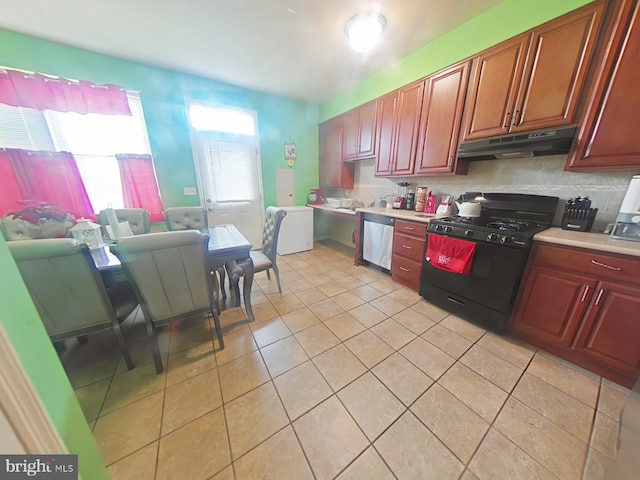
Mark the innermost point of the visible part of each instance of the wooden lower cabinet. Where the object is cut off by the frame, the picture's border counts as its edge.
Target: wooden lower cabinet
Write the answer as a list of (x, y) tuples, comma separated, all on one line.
[(409, 243), (583, 306)]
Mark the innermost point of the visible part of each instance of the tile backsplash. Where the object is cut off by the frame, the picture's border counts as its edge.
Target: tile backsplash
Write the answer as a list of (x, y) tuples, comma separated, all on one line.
[(535, 175)]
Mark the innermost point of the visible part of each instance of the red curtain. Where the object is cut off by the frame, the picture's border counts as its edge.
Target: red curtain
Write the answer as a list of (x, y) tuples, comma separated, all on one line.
[(10, 192), (40, 92), (139, 184), (53, 177)]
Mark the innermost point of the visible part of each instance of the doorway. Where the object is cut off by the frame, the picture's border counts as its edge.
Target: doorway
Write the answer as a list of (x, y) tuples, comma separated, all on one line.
[(227, 160)]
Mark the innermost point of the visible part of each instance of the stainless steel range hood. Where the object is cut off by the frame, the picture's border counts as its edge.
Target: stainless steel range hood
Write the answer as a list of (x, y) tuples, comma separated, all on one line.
[(550, 142)]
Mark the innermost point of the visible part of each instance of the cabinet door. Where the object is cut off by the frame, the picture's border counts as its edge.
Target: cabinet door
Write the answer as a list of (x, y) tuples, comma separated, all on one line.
[(556, 69), (407, 125), (333, 171), (552, 304), (386, 107), (351, 133), (609, 136), (440, 120), (367, 130), (611, 331), (495, 79)]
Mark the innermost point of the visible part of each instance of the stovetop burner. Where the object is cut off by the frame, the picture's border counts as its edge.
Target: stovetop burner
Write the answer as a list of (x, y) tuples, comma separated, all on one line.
[(495, 224), (510, 225)]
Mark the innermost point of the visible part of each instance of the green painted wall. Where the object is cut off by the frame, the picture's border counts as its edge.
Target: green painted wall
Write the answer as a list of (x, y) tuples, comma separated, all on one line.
[(162, 92), (22, 324), (507, 19)]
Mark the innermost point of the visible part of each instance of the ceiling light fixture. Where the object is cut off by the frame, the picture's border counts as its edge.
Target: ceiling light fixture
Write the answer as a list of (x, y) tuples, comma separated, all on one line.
[(364, 30)]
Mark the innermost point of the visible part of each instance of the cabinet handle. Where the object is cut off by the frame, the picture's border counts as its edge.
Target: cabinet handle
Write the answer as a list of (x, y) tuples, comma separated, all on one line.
[(584, 294), (404, 269), (599, 297), (409, 228), (517, 117), (506, 120), (617, 269), (407, 247)]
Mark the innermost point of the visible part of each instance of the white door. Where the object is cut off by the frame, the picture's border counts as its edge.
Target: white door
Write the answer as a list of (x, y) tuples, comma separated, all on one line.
[(230, 181), (285, 186)]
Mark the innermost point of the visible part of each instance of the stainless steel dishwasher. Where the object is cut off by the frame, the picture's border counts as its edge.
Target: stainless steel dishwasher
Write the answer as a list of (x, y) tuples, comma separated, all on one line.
[(377, 240)]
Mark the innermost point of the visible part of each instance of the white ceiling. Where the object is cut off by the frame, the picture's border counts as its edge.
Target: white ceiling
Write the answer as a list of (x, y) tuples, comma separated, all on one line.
[(292, 48)]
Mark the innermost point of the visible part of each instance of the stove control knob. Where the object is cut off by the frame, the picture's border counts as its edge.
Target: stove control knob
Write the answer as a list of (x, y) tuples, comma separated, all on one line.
[(492, 236), (505, 239), (438, 228), (448, 229), (468, 233)]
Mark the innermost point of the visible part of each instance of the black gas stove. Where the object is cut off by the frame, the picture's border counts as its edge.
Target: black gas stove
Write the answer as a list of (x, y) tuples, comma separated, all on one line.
[(503, 234), (506, 219)]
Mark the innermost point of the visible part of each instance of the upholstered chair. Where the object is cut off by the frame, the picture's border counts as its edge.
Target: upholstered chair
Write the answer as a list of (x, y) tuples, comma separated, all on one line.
[(191, 218), (265, 259), (171, 278), (186, 218), (139, 219), (68, 292)]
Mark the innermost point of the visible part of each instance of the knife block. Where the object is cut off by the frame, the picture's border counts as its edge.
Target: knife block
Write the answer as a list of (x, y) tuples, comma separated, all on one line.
[(578, 220)]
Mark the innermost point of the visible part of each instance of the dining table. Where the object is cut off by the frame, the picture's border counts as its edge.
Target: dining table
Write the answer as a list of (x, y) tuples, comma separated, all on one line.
[(226, 244)]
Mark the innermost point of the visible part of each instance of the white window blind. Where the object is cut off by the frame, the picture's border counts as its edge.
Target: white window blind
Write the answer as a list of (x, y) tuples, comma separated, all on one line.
[(24, 128), (230, 165), (101, 135), (101, 178)]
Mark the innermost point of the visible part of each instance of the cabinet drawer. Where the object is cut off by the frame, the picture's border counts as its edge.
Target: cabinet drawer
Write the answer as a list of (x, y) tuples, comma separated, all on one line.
[(593, 263), (406, 269), (411, 228), (408, 247)]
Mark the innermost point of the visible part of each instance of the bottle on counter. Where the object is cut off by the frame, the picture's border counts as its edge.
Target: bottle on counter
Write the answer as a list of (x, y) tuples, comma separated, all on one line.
[(421, 199)]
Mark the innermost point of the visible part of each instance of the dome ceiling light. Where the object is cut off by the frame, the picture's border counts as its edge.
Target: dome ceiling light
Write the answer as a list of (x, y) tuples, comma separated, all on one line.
[(364, 30)]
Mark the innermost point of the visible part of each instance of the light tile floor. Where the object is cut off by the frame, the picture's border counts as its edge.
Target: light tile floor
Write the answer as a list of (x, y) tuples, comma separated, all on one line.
[(346, 375)]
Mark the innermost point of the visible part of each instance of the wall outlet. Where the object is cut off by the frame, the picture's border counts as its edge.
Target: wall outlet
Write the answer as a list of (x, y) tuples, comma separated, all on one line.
[(190, 191)]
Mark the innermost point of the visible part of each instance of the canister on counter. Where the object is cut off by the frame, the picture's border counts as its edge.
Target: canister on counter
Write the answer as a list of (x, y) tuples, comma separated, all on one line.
[(421, 199)]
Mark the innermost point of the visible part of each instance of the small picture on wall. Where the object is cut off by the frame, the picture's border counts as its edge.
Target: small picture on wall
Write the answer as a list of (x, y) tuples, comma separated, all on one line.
[(290, 152)]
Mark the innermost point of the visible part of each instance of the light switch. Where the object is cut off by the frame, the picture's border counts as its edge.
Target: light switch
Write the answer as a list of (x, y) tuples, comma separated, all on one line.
[(190, 191)]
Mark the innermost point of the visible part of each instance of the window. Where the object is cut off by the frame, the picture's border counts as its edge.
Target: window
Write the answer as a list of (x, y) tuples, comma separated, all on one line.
[(230, 165), (227, 120), (93, 139)]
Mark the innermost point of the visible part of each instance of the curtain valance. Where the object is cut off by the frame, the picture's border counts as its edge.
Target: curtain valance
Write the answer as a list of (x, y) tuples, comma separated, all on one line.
[(41, 92)]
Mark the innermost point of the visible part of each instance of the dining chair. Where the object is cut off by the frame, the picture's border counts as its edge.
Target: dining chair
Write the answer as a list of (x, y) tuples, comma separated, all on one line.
[(186, 218), (265, 259), (139, 219), (68, 292), (192, 218), (171, 278)]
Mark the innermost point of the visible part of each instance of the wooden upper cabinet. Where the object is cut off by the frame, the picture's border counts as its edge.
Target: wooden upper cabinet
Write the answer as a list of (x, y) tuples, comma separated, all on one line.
[(386, 108), (442, 105), (608, 137), (535, 80), (494, 80), (406, 127), (359, 132), (334, 173), (556, 69)]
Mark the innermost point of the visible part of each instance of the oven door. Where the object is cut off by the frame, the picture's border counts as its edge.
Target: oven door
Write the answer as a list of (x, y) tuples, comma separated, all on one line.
[(494, 279)]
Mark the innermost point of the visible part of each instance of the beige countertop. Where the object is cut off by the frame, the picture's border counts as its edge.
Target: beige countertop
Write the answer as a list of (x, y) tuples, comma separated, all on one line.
[(594, 241), (334, 211), (402, 214)]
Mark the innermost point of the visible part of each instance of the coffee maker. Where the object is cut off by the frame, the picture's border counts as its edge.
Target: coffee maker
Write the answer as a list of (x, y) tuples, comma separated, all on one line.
[(627, 226)]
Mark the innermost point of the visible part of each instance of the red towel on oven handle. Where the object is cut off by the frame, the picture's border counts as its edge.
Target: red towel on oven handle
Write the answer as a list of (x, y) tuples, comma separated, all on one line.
[(450, 254)]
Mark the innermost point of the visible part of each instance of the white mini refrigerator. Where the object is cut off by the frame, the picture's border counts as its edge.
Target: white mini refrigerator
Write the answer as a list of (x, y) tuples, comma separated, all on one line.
[(296, 231)]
